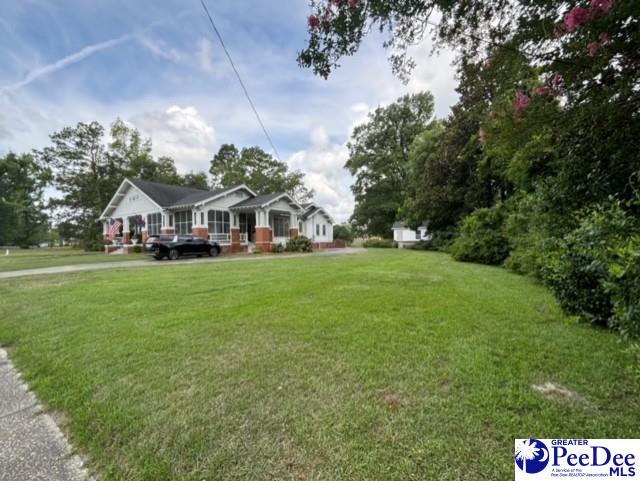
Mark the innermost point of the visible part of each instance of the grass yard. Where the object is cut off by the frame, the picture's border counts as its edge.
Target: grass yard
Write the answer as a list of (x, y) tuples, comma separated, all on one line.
[(387, 365), (19, 259)]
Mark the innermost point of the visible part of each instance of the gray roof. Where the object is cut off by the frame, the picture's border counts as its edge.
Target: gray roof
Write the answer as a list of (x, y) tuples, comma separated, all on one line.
[(398, 225), (257, 201), (166, 195)]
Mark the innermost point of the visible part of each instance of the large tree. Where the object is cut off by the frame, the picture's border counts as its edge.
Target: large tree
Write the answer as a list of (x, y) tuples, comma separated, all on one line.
[(258, 170), (379, 160), (23, 218), (85, 175)]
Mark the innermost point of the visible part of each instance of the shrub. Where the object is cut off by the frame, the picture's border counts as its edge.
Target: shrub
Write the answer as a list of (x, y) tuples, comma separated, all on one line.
[(343, 232), (257, 250), (378, 243), (595, 269), (277, 248), (95, 245), (481, 237), (299, 243), (440, 240), (138, 248)]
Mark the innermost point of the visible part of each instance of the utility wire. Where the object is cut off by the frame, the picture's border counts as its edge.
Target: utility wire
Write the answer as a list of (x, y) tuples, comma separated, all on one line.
[(244, 88)]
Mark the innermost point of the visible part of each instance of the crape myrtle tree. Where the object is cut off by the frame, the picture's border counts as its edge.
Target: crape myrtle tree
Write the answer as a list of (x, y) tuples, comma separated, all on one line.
[(258, 170), (379, 152), (547, 123)]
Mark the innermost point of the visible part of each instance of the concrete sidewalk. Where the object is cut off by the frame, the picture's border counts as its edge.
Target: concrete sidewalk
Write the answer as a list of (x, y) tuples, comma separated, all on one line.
[(153, 263), (31, 445)]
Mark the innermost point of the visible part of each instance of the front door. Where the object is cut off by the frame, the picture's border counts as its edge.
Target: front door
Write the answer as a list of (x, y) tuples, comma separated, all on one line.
[(248, 225)]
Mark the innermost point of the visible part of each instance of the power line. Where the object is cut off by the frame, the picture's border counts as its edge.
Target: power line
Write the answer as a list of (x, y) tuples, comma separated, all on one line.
[(244, 88)]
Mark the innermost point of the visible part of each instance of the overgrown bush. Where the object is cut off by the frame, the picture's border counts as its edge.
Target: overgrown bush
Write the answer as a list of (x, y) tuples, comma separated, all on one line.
[(595, 270), (378, 243), (138, 248), (277, 248), (481, 237), (343, 232), (440, 240), (257, 250), (299, 243), (95, 245)]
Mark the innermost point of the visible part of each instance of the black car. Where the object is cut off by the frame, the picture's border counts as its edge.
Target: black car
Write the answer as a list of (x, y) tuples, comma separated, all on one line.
[(173, 246)]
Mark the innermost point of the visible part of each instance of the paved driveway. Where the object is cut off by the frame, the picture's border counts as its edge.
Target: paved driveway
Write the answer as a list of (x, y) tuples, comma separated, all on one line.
[(153, 263)]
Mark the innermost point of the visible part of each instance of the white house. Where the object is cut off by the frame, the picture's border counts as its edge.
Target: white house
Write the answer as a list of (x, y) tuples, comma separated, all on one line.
[(406, 237), (234, 217)]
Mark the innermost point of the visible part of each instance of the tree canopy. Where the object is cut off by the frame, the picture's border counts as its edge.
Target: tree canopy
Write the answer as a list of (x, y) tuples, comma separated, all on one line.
[(258, 170), (379, 160)]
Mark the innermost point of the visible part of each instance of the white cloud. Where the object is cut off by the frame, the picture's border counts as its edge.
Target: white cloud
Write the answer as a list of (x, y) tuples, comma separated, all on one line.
[(323, 164), (64, 62), (180, 133), (159, 49)]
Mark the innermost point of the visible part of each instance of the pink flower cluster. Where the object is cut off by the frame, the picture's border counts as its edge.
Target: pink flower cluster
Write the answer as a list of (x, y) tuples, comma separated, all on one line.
[(553, 88), (521, 101), (578, 16), (314, 22), (594, 46), (482, 135)]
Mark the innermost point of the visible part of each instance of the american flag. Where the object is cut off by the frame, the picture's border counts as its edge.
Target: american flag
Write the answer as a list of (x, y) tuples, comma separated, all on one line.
[(114, 227)]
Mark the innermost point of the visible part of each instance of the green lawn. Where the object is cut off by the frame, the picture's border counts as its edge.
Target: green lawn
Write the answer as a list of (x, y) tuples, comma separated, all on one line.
[(34, 258), (387, 365)]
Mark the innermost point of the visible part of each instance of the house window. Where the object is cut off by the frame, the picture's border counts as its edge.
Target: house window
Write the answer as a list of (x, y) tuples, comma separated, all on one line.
[(154, 222), (201, 218), (183, 222), (218, 222), (317, 229), (324, 229), (281, 226)]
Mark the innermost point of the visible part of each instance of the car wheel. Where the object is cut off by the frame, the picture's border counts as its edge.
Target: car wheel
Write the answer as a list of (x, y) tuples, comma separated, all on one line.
[(157, 257), (173, 254), (213, 252)]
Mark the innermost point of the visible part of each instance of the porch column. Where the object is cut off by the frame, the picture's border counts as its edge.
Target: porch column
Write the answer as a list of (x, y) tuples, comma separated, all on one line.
[(165, 228), (198, 227), (105, 228), (126, 236), (263, 230), (293, 225)]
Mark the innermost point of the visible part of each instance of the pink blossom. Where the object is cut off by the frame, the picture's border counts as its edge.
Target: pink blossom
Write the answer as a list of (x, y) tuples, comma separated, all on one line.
[(593, 48), (482, 135), (544, 90), (313, 21), (556, 81), (492, 115), (602, 5), (354, 3), (576, 17), (605, 38), (521, 102)]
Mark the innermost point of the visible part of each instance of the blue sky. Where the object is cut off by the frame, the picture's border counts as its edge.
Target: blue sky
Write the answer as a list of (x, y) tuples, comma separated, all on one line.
[(156, 65)]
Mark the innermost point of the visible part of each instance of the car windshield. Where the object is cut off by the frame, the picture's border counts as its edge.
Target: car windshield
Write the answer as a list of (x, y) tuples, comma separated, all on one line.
[(167, 238)]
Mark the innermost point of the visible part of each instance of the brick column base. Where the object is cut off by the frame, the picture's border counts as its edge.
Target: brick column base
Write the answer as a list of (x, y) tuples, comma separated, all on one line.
[(293, 232), (126, 238), (145, 236), (235, 240), (200, 232), (167, 230), (264, 238)]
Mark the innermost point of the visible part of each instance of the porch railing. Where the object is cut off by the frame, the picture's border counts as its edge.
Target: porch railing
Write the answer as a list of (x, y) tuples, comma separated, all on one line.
[(220, 238), (226, 238)]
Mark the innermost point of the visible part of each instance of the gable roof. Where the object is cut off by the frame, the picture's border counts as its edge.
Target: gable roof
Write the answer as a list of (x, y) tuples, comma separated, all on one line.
[(313, 210), (166, 195), (263, 201)]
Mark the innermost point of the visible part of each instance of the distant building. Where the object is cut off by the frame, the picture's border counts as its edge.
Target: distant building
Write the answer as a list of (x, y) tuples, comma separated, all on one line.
[(406, 237)]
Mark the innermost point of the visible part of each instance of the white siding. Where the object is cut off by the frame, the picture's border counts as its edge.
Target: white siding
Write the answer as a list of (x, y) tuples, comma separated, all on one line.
[(134, 202)]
